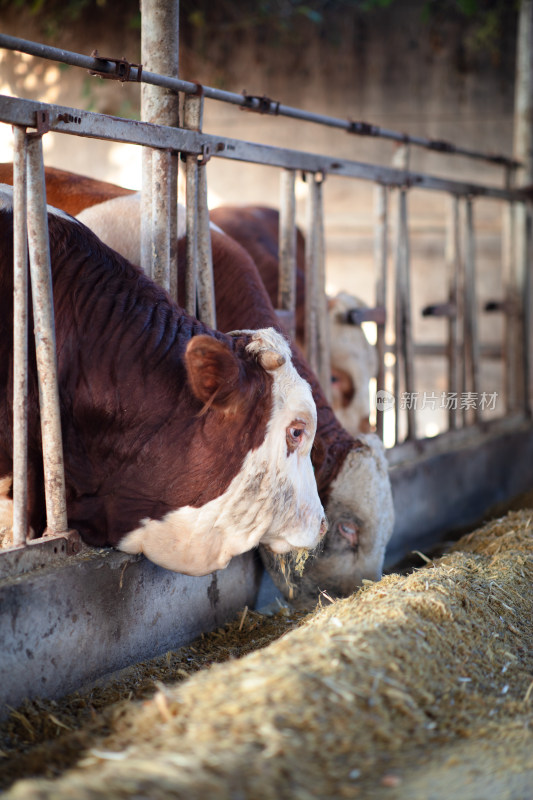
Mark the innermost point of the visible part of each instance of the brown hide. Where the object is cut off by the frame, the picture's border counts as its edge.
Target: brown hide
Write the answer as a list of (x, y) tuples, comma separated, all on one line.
[(256, 228), (138, 440)]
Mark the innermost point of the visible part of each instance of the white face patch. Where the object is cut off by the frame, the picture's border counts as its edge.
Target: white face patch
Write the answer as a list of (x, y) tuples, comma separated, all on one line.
[(273, 500)]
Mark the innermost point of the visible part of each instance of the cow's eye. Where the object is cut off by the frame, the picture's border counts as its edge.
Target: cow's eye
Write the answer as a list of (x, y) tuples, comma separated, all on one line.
[(295, 435)]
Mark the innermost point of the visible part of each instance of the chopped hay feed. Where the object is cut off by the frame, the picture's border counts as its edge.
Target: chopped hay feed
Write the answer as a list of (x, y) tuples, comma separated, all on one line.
[(346, 701)]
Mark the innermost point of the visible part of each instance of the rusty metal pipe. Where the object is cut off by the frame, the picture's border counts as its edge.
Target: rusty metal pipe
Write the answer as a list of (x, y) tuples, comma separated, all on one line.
[(287, 252), (160, 231), (199, 280), (323, 346), (192, 119), (159, 105), (510, 322), (381, 233), (527, 305), (45, 342), (454, 269), (311, 277), (404, 343), (146, 211), (191, 268), (20, 343), (206, 282), (470, 312)]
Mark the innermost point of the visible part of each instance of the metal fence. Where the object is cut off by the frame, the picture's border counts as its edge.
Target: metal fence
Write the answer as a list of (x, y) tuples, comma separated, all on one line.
[(32, 120)]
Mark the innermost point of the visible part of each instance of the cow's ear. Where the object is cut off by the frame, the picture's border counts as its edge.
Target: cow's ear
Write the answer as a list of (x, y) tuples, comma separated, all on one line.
[(212, 369)]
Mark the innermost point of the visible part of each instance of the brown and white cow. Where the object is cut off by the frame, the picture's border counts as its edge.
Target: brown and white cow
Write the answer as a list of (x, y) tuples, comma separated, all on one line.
[(351, 473), (180, 442), (256, 228), (353, 358)]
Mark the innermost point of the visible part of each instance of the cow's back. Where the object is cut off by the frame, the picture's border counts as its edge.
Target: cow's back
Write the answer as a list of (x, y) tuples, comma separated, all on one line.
[(69, 191), (256, 229)]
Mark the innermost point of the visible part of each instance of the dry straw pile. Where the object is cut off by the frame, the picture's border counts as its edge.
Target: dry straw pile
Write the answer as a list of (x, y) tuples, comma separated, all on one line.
[(410, 663)]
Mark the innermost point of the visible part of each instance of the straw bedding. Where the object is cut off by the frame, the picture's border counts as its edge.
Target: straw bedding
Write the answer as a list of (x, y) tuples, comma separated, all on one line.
[(389, 691)]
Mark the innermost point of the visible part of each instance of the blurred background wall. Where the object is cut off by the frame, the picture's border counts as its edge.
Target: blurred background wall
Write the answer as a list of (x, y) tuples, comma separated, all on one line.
[(441, 68)]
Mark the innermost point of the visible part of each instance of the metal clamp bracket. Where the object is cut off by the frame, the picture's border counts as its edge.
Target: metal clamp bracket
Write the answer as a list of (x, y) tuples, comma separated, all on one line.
[(508, 307), (42, 124), (355, 316), (439, 310), (264, 104), (37, 553), (362, 128), (205, 155), (122, 71)]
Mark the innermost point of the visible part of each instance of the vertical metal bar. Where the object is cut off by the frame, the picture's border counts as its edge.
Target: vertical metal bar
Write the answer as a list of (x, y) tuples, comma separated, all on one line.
[(470, 315), (191, 268), (380, 263), (173, 171), (453, 266), (147, 115), (523, 110), (527, 304), (511, 308), (404, 350), (464, 362), (519, 301), (146, 210), (199, 280), (407, 344), (159, 53), (287, 250), (523, 151), (161, 218), (20, 343), (311, 276), (323, 344), (192, 119), (45, 342), (398, 329), (206, 283)]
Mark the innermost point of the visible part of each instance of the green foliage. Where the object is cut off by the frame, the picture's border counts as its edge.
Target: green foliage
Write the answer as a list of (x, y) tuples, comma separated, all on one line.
[(485, 22), (53, 13), (277, 22)]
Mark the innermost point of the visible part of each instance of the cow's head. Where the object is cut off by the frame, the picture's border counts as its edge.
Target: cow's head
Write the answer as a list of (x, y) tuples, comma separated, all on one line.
[(353, 364), (361, 516), (272, 499)]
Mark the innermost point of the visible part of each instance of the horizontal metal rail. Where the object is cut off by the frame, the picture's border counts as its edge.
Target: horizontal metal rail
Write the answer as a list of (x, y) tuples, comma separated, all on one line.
[(63, 119), (122, 70)]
